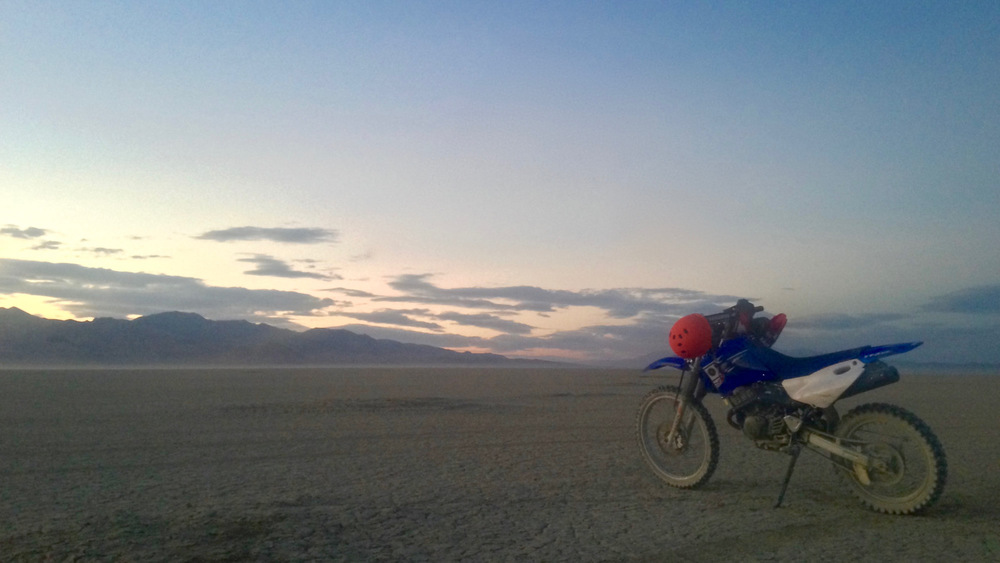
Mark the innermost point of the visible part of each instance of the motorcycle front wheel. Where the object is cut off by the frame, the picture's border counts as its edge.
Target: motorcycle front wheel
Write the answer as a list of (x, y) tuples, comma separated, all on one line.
[(688, 459), (908, 465)]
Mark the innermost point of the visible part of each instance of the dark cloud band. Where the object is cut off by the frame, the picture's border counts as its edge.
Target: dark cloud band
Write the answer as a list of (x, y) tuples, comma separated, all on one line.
[(284, 235), (975, 300)]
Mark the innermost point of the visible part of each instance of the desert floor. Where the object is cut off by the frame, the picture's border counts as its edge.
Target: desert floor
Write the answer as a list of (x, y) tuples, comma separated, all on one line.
[(436, 465)]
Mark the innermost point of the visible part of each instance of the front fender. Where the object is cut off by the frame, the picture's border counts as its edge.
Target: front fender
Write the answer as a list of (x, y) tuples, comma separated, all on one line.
[(669, 361)]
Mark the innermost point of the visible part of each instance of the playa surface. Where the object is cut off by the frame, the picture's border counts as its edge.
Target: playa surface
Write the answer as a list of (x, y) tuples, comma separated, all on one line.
[(437, 465)]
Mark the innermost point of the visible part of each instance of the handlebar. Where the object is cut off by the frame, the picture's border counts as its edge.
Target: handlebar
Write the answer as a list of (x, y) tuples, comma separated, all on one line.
[(741, 306), (725, 322)]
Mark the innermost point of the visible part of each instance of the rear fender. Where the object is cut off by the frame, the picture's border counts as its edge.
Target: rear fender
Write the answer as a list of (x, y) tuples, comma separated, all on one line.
[(873, 353)]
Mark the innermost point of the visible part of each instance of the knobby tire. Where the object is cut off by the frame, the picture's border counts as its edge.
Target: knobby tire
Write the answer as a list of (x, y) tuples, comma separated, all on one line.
[(916, 467), (700, 441)]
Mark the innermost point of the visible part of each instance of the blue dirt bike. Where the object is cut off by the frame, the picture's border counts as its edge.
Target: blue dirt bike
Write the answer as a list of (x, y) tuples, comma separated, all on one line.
[(888, 457)]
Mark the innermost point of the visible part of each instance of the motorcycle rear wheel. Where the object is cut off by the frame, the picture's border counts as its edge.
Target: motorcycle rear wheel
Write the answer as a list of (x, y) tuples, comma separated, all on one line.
[(911, 465), (687, 461)]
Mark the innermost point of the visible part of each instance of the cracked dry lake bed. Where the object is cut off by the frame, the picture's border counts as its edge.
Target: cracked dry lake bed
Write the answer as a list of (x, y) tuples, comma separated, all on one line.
[(446, 464)]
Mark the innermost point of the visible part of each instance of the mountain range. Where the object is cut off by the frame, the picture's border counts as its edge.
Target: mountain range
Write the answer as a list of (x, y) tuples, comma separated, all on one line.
[(188, 339)]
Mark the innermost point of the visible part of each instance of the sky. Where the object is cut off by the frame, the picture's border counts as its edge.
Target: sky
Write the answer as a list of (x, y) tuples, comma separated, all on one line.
[(535, 179)]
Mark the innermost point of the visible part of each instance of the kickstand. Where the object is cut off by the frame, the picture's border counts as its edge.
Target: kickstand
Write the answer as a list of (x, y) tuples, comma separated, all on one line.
[(795, 450)]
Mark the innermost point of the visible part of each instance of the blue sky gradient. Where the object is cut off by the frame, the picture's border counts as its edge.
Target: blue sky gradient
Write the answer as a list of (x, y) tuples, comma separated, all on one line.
[(558, 179)]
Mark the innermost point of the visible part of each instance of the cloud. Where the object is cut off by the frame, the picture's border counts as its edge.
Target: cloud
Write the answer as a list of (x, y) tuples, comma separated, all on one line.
[(350, 292), (483, 320), (270, 266), (100, 250), (29, 233), (840, 321), (618, 303), (393, 317), (47, 245), (285, 235), (100, 292), (974, 300), (439, 339)]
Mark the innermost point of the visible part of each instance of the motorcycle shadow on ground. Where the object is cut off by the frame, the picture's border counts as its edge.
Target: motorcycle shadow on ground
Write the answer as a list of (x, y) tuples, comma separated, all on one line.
[(819, 519)]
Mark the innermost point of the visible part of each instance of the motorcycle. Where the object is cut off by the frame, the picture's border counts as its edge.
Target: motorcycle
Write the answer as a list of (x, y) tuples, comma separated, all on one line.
[(887, 456)]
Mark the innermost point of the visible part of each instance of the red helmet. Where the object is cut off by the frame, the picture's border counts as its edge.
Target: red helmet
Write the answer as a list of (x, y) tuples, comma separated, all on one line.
[(691, 336)]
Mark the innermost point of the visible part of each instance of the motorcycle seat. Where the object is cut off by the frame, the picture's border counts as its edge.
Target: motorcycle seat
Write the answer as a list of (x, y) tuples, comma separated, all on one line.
[(788, 367)]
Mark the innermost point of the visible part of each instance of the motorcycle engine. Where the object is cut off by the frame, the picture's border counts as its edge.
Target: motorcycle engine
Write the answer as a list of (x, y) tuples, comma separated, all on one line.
[(764, 422), (758, 410)]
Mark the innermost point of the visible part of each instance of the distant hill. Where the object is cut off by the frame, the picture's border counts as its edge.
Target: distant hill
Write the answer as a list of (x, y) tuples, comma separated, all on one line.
[(188, 339)]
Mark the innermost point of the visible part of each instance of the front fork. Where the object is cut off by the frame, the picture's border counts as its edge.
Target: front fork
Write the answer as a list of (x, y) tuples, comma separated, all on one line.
[(692, 388)]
